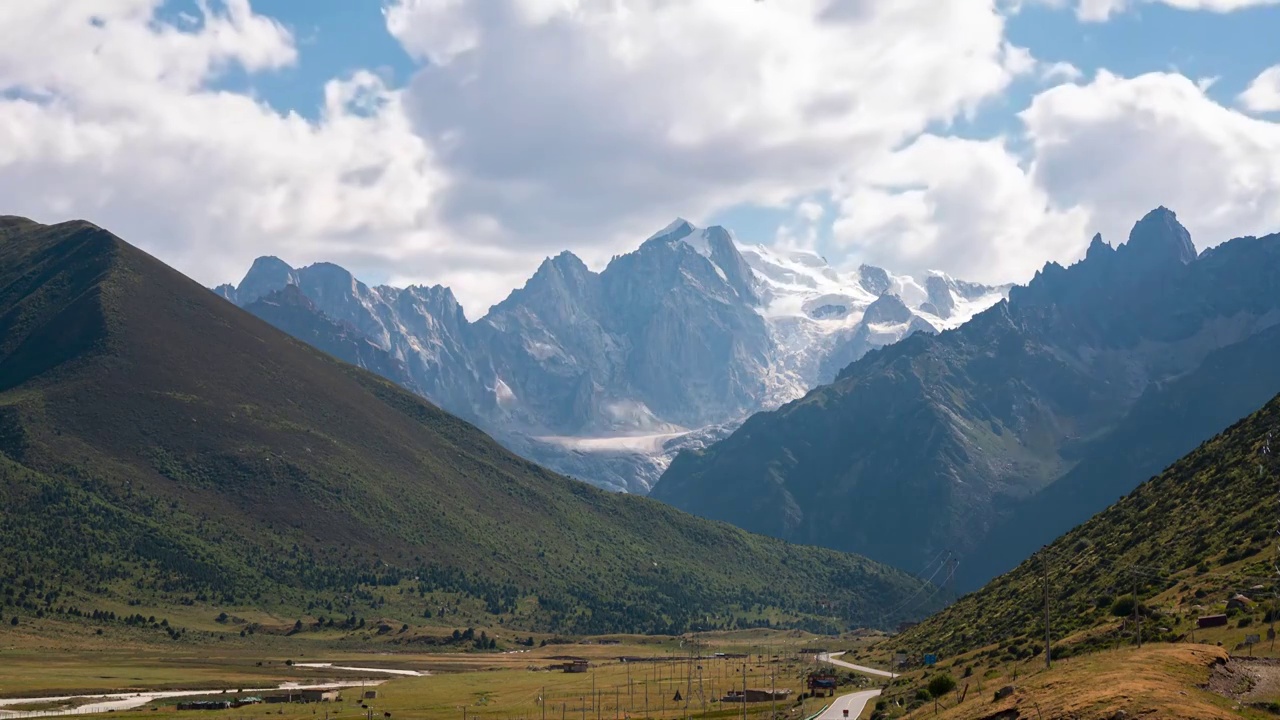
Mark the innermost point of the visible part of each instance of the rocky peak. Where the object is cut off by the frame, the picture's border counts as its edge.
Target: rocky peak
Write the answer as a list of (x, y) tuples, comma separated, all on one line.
[(226, 291), (678, 228), (724, 253), (564, 273), (1159, 240), (1098, 248), (889, 308), (941, 302), (436, 300), (267, 275), (873, 279)]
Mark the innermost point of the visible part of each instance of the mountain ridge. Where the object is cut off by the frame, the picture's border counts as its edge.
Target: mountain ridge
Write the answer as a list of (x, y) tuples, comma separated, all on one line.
[(940, 434), (175, 445), (677, 342)]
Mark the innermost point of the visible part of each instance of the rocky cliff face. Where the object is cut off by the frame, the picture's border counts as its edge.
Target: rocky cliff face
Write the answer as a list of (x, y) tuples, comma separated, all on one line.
[(606, 375), (924, 445)]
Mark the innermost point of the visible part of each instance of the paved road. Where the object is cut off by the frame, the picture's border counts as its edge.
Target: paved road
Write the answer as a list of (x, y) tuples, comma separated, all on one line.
[(853, 702), (832, 658)]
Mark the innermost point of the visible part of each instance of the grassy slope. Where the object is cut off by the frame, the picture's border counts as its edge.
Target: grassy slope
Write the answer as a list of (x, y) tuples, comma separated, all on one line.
[(1170, 420), (1161, 681), (1198, 533), (159, 442)]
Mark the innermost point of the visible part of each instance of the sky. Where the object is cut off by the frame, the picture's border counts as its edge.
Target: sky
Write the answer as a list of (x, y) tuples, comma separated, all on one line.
[(461, 142)]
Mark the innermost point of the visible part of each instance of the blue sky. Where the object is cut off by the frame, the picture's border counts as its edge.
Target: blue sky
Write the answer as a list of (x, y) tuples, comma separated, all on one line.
[(338, 37), (904, 133)]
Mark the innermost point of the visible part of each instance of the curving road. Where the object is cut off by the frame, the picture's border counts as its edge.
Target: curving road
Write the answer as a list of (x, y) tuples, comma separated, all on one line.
[(855, 703), (831, 658)]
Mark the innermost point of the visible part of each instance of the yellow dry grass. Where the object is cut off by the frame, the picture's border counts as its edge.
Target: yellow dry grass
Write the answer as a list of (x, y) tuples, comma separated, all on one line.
[(1158, 681)]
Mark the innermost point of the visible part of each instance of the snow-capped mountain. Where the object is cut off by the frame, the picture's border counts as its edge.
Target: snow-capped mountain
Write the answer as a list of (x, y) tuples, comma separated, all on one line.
[(823, 319), (607, 375)]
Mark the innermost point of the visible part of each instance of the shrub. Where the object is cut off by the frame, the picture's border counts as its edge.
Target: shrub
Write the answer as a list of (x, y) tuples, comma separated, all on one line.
[(1123, 606), (941, 685)]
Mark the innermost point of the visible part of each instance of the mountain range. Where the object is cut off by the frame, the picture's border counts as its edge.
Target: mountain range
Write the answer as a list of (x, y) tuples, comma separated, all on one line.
[(160, 446), (991, 439), (606, 375)]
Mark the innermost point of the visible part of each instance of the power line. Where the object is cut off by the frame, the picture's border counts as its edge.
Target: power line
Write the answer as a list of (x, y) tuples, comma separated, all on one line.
[(897, 609)]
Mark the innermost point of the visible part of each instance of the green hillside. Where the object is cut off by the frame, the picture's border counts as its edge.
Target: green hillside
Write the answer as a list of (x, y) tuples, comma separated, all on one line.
[(1189, 540), (160, 445)]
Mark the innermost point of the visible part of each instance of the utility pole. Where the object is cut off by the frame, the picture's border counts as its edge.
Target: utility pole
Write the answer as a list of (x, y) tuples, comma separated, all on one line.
[(773, 689), (1137, 619), (1044, 573), (542, 700), (688, 689), (1271, 633), (744, 688)]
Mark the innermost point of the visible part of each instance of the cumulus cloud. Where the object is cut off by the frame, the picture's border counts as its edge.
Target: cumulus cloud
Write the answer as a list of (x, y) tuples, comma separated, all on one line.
[(1121, 146), (1263, 94), (968, 206), (569, 122), (539, 125), (1100, 10), (110, 113), (1097, 157)]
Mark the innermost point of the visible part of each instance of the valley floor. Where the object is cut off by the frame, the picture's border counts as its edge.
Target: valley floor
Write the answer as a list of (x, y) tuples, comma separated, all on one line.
[(59, 674)]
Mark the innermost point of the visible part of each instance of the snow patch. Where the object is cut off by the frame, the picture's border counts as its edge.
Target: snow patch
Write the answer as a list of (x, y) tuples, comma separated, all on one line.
[(503, 393)]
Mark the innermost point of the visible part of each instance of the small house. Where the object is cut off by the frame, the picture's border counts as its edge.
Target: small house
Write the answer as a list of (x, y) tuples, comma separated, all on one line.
[(321, 696), (205, 705), (1239, 602), (753, 695), (1209, 621)]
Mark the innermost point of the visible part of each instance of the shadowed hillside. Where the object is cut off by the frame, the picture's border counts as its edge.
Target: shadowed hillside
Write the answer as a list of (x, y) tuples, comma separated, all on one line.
[(1188, 541), (157, 441)]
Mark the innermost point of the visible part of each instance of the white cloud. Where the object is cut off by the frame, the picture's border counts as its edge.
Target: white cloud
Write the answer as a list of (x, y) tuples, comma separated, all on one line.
[(537, 125), (541, 125), (803, 228), (1122, 146), (964, 205), (1060, 72), (1263, 94), (110, 114), (590, 122), (1098, 157), (1101, 10)]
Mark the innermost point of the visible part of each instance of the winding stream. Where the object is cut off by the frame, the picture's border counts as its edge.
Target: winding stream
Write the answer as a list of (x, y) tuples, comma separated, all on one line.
[(128, 701)]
